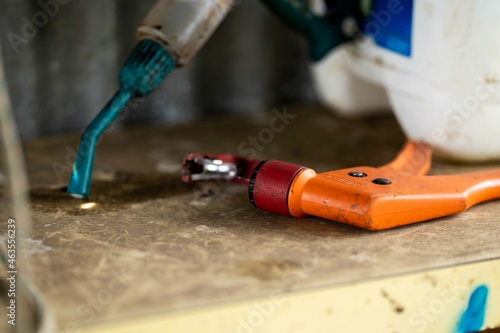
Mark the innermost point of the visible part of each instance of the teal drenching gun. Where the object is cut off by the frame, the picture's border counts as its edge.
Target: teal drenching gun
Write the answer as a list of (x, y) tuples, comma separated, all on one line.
[(174, 31)]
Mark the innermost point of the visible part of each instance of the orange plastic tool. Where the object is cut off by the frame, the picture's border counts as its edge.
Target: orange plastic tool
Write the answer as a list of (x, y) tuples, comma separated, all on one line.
[(381, 198)]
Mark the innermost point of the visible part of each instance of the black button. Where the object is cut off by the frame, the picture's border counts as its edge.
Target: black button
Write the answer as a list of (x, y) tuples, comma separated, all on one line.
[(382, 181), (357, 174)]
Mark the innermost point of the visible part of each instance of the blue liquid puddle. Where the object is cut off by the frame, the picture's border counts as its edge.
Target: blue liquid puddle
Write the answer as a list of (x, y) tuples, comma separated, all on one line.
[(472, 319)]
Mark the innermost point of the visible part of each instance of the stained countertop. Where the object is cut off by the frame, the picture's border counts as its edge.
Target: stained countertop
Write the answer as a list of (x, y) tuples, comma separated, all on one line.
[(169, 247)]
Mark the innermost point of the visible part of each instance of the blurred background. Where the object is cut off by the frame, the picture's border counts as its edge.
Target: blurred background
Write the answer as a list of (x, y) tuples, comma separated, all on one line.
[(66, 70)]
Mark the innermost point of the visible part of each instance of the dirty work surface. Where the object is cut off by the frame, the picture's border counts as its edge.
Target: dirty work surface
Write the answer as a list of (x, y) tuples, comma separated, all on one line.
[(166, 245)]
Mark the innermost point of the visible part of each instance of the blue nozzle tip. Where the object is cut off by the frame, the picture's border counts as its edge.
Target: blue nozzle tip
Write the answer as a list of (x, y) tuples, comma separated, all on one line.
[(143, 72)]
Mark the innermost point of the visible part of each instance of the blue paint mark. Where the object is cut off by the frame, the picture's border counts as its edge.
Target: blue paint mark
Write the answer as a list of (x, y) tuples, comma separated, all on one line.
[(473, 318)]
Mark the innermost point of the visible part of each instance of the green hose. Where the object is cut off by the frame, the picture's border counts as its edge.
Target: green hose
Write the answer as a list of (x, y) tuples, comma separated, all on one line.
[(323, 33)]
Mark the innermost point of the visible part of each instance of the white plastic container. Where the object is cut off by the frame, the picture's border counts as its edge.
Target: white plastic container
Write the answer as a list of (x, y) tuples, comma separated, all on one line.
[(444, 89)]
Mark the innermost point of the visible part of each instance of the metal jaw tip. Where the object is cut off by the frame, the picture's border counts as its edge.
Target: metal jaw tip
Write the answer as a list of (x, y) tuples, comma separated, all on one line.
[(202, 168)]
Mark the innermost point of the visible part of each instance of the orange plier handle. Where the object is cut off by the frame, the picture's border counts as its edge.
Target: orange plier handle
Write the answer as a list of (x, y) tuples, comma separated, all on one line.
[(393, 195)]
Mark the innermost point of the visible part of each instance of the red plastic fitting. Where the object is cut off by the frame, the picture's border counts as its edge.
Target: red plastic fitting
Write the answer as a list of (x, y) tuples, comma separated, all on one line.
[(269, 185)]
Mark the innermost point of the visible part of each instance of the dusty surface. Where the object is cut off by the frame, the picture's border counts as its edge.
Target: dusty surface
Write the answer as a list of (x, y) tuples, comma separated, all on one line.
[(151, 243)]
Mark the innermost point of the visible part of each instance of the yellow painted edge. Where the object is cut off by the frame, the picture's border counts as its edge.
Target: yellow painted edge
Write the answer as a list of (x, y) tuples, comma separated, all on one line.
[(430, 301)]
